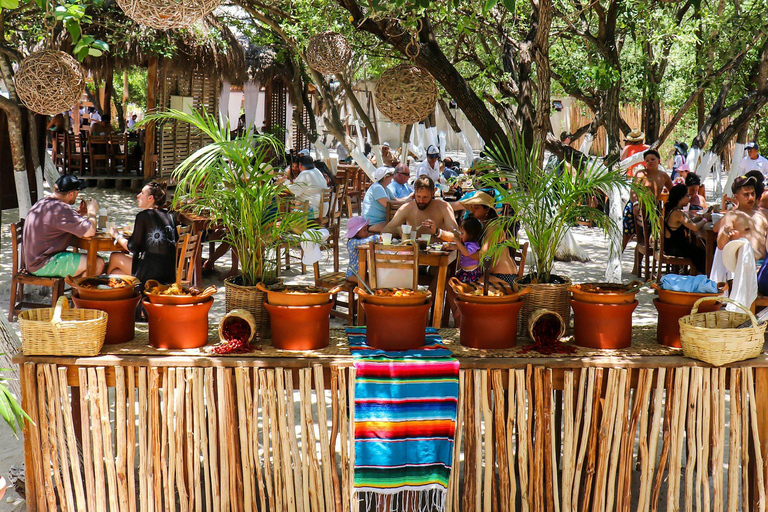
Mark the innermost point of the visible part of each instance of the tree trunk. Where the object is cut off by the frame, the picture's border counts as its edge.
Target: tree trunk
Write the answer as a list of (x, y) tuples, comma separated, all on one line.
[(16, 138)]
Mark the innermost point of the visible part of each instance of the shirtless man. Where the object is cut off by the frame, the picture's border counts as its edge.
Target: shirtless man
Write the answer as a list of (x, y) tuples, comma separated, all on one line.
[(745, 221), (430, 216), (654, 180)]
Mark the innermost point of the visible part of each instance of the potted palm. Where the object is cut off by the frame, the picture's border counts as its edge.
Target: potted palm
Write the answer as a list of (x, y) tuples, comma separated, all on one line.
[(231, 181), (546, 204)]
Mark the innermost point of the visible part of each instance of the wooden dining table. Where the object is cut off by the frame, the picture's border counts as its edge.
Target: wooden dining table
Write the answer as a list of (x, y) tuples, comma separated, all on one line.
[(708, 236), (439, 259), (92, 245)]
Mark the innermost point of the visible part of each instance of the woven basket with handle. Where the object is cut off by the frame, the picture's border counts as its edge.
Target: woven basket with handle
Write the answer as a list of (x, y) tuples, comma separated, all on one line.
[(553, 297), (252, 300), (62, 331), (713, 338)]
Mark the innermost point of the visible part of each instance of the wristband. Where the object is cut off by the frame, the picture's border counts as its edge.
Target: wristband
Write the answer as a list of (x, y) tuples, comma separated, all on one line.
[(438, 233)]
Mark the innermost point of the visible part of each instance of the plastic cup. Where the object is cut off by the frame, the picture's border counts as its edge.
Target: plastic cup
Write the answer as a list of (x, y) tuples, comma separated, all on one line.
[(386, 238), (405, 229)]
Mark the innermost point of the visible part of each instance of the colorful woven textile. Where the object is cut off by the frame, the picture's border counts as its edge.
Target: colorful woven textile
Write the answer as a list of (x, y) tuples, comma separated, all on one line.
[(405, 420)]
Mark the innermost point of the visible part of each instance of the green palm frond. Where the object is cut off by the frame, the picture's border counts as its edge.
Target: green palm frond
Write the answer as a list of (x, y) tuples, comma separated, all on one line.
[(231, 180), (10, 409), (547, 204)]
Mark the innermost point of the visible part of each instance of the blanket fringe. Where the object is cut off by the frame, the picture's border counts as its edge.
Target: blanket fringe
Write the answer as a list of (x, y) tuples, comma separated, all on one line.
[(407, 500)]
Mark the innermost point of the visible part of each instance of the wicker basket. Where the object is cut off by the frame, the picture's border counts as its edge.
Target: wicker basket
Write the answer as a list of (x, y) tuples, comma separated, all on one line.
[(62, 331), (554, 297), (239, 313), (252, 300), (711, 337)]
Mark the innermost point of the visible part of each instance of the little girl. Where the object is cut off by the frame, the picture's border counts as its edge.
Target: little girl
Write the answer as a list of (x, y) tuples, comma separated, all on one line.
[(468, 244)]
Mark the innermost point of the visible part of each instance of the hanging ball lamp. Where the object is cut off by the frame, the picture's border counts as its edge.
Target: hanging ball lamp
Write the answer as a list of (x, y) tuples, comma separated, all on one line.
[(406, 94), (49, 82), (328, 52), (167, 14)]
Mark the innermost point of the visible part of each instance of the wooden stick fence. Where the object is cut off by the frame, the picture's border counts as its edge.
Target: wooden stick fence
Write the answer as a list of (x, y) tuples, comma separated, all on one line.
[(276, 439)]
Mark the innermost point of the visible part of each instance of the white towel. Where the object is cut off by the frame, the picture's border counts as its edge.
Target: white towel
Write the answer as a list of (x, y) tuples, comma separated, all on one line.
[(719, 272), (310, 248), (744, 290)]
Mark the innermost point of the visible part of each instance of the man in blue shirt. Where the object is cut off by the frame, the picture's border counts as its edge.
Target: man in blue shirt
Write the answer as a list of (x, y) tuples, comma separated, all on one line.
[(399, 185)]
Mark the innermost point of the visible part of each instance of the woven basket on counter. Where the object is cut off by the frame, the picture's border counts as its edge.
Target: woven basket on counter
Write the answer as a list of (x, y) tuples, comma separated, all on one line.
[(252, 300), (713, 338), (62, 331), (553, 297)]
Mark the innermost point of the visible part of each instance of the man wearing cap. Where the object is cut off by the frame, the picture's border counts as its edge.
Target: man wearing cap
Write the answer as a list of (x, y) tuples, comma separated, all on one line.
[(428, 214), (49, 227), (744, 221), (399, 185), (431, 166), (377, 199), (754, 161), (633, 144), (309, 184)]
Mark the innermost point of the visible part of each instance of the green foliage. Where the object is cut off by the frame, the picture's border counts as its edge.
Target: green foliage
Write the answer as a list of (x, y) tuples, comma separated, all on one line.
[(547, 204), (231, 180), (10, 409), (137, 86)]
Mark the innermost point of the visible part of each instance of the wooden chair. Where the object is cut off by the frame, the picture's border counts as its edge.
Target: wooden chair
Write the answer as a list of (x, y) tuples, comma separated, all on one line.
[(332, 222), (20, 277), (519, 257), (331, 279), (74, 156), (118, 150), (186, 257), (98, 153), (293, 206), (645, 249), (392, 208), (354, 190), (387, 257), (59, 151)]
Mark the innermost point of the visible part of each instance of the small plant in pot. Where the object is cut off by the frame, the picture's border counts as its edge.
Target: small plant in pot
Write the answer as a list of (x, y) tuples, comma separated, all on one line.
[(231, 181), (546, 204)]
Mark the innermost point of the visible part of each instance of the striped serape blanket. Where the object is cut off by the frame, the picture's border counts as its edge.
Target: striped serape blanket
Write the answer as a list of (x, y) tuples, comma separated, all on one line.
[(405, 420)]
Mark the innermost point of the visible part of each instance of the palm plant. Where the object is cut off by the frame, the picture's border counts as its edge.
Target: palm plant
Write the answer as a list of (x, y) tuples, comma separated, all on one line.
[(10, 409), (547, 204), (231, 181)]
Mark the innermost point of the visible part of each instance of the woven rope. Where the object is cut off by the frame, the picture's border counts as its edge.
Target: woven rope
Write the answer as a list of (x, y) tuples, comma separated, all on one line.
[(328, 52), (167, 14), (406, 94), (49, 82)]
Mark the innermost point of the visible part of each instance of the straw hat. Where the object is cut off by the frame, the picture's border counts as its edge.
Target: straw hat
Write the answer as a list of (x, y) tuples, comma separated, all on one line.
[(731, 252), (480, 198), (635, 136)]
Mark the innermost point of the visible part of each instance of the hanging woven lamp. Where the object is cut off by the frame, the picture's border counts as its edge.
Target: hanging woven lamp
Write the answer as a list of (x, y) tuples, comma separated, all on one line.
[(328, 52), (406, 94), (49, 82), (167, 14)]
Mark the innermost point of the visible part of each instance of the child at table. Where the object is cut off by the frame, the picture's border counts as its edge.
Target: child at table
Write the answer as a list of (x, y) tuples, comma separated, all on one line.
[(357, 235), (468, 244)]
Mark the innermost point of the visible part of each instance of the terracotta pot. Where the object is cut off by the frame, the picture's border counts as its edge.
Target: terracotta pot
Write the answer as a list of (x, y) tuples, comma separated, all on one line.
[(466, 292), (178, 326), (121, 316), (686, 298), (602, 325), (300, 327), (602, 293), (668, 328), (125, 292), (396, 327), (418, 297), (489, 325), (284, 298)]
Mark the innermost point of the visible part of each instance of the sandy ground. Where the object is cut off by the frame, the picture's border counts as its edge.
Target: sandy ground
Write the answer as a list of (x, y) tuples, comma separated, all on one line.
[(121, 207)]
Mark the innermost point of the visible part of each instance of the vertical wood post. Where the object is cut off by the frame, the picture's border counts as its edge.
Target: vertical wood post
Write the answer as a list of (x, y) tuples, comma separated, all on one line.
[(151, 130)]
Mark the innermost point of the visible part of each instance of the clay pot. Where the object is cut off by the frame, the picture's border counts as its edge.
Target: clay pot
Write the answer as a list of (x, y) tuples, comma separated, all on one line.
[(396, 327), (178, 326), (602, 293), (121, 316), (418, 298), (602, 325), (668, 328), (489, 325), (466, 292), (282, 297), (686, 298), (300, 327), (125, 292)]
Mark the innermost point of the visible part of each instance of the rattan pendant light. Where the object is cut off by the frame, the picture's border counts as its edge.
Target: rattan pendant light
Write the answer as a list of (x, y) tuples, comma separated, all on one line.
[(406, 93), (49, 82), (328, 52), (167, 14)]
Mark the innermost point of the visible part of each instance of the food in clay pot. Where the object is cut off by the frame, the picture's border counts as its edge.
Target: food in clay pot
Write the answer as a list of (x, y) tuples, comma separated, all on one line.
[(297, 295)]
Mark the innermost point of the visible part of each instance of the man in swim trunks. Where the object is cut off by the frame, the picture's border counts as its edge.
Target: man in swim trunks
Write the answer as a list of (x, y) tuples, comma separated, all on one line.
[(652, 178)]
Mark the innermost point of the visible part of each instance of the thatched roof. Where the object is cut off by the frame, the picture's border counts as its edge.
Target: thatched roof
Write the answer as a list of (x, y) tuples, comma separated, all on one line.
[(208, 45)]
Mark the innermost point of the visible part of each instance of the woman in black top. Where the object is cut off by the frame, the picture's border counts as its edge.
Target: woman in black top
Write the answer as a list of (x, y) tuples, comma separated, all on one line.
[(677, 225), (153, 242)]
